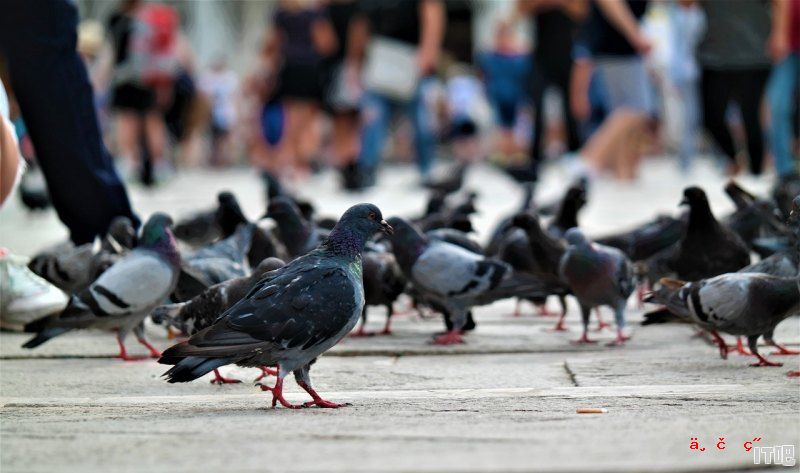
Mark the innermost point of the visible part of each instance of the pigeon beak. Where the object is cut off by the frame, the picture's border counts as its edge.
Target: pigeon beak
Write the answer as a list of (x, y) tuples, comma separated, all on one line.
[(386, 228), (685, 201)]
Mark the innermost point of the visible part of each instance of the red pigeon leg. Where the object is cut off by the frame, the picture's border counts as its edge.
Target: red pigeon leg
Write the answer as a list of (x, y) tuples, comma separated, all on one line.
[(266, 371), (154, 352), (318, 401), (739, 348), (219, 379), (517, 312), (123, 353), (451, 337), (782, 350), (584, 340), (723, 347), (277, 394), (793, 374), (544, 311), (387, 328), (601, 324), (764, 362), (619, 341), (360, 332)]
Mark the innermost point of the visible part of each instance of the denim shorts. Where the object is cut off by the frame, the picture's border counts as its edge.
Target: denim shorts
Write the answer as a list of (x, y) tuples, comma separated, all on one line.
[(626, 83)]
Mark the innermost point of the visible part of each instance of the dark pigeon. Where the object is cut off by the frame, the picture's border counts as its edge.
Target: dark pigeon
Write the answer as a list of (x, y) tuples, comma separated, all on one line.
[(383, 284), (297, 234), (567, 217), (207, 226), (598, 275), (124, 295), (647, 239), (451, 182), (293, 315), (505, 224)]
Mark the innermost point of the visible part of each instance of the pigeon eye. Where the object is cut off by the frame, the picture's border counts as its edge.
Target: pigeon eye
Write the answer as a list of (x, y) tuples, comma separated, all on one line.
[(372, 216)]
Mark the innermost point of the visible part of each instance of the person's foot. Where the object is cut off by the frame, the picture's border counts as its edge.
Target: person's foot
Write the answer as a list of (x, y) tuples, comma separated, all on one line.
[(24, 296)]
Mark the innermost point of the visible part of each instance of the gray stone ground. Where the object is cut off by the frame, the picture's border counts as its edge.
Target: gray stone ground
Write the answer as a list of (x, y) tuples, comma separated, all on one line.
[(505, 401)]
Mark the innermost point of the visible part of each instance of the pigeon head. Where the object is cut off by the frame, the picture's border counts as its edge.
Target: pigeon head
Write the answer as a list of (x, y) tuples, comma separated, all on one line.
[(525, 220), (693, 196), (575, 237), (267, 265), (356, 226), (229, 214), (407, 241), (122, 231), (573, 202), (282, 208), (156, 233)]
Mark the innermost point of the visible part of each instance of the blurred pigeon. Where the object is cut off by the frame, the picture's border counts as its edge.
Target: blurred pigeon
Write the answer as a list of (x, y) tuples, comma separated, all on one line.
[(567, 216), (451, 181), (124, 295), (505, 224), (383, 284), (647, 239), (454, 278), (121, 236), (786, 188), (598, 275), (538, 252), (293, 315), (204, 227), (457, 216), (748, 304), (297, 234), (456, 237), (203, 310)]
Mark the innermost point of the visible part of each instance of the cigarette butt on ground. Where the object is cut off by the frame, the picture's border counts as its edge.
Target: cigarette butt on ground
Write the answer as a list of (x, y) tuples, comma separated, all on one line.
[(591, 410)]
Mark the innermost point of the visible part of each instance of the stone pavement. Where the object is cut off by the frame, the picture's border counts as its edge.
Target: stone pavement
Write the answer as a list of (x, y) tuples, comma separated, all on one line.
[(504, 401)]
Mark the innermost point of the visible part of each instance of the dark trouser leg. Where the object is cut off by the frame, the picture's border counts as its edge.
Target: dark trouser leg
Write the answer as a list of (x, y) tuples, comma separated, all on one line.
[(564, 76), (716, 93), (56, 99), (537, 95), (748, 93)]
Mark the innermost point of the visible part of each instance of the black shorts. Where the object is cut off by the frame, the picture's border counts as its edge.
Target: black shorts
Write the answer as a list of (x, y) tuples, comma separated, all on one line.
[(301, 81), (134, 97)]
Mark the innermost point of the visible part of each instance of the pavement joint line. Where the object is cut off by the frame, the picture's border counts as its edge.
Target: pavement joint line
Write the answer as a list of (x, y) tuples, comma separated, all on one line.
[(639, 391), (570, 373)]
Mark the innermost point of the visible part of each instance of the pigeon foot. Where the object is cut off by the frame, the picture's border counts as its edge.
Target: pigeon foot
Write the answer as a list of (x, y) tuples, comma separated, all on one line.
[(318, 401), (739, 348), (584, 340), (266, 371), (723, 347), (619, 341), (449, 338), (764, 362), (793, 374), (277, 394), (219, 379), (782, 350)]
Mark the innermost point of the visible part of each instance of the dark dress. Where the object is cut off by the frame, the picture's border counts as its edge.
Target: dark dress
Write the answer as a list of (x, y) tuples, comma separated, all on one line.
[(127, 95), (302, 71)]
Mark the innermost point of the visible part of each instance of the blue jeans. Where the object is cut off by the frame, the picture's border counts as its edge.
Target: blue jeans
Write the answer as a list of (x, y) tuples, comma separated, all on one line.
[(690, 101), (782, 93), (57, 103), (377, 111)]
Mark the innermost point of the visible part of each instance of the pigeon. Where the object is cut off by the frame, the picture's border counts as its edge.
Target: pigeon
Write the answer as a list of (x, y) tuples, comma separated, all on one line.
[(204, 227), (505, 224), (452, 181), (742, 304), (124, 295), (121, 236), (457, 217), (453, 279), (648, 238), (707, 248), (536, 251), (297, 234), (567, 216), (383, 284), (293, 315), (203, 310), (785, 190), (456, 237), (598, 275)]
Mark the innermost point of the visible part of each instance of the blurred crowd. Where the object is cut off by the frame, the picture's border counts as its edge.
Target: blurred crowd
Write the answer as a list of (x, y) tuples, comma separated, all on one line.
[(343, 83)]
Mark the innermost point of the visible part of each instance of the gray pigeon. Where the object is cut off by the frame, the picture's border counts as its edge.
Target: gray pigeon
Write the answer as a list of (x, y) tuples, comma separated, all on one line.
[(598, 275), (125, 294), (383, 284), (454, 279), (742, 304), (203, 310), (293, 315)]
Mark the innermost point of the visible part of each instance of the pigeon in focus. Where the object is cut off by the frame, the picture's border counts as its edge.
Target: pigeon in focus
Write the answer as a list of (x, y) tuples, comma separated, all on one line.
[(383, 284), (741, 304), (453, 279), (293, 315), (124, 294), (598, 275)]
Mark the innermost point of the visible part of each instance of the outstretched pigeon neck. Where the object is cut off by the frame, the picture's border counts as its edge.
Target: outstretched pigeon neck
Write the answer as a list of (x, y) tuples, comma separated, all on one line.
[(700, 217), (346, 242)]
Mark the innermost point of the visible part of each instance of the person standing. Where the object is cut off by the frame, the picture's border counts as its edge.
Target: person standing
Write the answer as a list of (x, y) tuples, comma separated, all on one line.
[(735, 68), (556, 24), (416, 24), (56, 99), (783, 92)]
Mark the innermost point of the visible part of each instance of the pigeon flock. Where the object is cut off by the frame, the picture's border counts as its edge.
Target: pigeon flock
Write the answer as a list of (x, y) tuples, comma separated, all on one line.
[(277, 296)]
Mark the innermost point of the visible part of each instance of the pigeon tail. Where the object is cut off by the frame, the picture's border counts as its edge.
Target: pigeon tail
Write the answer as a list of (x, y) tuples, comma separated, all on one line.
[(43, 335), (192, 367)]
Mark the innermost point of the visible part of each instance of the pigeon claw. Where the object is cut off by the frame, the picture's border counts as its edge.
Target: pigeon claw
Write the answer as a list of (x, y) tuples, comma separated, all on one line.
[(219, 379), (764, 362), (277, 395), (793, 374), (266, 371), (449, 338), (584, 340), (325, 404), (783, 351)]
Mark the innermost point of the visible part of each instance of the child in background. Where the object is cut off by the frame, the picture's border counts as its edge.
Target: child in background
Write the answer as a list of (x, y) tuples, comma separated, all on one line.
[(505, 70), (464, 95), (219, 83)]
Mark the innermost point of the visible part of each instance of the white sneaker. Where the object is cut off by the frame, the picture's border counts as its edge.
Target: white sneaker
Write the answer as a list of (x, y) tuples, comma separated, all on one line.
[(24, 296)]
